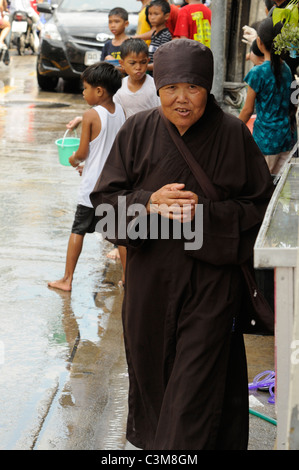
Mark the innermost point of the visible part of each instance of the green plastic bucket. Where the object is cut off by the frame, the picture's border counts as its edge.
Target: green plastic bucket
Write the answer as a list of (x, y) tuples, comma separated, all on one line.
[(66, 147)]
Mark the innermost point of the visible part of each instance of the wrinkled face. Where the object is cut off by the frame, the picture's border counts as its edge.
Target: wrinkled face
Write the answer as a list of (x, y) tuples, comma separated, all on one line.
[(183, 104)]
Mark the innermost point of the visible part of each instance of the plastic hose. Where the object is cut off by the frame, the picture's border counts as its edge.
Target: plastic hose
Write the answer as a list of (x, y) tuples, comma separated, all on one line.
[(260, 415), (264, 380)]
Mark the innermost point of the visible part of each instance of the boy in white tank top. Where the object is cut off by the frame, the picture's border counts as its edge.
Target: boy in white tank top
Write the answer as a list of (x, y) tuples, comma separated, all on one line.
[(137, 93), (100, 125)]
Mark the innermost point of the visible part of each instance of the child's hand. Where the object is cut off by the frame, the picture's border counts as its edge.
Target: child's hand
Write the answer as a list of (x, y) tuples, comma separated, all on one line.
[(80, 169), (74, 123), (73, 161)]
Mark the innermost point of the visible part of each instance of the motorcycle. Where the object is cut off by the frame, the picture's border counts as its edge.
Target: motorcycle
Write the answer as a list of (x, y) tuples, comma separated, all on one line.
[(23, 33)]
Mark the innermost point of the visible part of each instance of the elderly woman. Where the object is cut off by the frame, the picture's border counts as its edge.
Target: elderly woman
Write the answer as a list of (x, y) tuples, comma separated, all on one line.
[(183, 308)]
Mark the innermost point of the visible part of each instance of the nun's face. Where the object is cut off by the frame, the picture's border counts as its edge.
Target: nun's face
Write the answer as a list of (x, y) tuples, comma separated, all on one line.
[(183, 104)]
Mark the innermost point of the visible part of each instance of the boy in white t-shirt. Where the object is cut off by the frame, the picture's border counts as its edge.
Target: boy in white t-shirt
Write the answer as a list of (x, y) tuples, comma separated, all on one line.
[(138, 91), (100, 124)]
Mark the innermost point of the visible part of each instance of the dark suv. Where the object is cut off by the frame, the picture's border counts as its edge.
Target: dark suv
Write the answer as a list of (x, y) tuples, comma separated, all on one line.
[(74, 35)]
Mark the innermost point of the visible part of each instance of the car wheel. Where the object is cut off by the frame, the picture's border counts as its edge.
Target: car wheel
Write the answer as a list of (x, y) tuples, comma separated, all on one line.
[(47, 83), (73, 86)]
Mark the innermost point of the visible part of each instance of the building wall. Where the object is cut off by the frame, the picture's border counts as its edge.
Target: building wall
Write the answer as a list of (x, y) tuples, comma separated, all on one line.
[(229, 50), (239, 14)]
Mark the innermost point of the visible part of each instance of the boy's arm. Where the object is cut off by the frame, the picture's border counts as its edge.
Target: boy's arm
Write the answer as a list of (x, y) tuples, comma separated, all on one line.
[(145, 36), (82, 153), (74, 123)]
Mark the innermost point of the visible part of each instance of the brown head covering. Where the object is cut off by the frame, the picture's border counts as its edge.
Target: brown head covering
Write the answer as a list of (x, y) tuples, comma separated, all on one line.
[(183, 61)]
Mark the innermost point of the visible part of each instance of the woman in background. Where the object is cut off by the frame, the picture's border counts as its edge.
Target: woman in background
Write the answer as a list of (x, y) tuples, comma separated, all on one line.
[(269, 92)]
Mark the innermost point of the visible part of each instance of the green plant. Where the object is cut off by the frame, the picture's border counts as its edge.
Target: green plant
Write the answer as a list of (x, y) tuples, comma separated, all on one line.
[(288, 15), (287, 40)]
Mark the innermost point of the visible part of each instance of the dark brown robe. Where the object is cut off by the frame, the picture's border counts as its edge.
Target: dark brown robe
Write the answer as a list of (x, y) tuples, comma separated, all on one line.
[(186, 359)]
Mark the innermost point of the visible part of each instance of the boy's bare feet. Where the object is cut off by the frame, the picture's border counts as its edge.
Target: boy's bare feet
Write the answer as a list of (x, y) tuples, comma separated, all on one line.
[(62, 284)]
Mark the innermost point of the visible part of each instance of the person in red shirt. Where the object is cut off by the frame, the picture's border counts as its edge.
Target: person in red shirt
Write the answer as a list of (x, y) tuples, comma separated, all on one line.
[(194, 22), (172, 20)]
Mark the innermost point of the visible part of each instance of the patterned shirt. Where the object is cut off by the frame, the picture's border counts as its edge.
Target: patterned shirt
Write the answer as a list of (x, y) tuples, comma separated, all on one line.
[(272, 131), (157, 40)]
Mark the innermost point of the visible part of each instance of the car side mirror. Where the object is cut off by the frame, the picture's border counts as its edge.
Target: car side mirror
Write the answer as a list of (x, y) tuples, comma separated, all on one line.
[(46, 8)]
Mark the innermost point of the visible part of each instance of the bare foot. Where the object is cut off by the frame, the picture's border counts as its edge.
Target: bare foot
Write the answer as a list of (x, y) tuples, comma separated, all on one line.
[(113, 254), (62, 284)]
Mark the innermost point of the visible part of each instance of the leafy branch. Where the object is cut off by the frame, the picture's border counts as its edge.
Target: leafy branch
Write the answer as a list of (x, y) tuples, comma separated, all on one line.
[(288, 15), (288, 39)]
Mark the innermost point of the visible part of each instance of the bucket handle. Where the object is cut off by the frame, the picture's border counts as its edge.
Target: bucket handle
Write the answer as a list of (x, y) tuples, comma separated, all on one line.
[(65, 134)]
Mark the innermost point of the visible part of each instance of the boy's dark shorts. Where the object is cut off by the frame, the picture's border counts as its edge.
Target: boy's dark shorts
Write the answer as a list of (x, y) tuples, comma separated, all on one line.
[(85, 220)]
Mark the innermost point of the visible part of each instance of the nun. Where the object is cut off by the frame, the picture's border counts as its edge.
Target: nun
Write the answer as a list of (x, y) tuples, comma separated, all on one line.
[(184, 304)]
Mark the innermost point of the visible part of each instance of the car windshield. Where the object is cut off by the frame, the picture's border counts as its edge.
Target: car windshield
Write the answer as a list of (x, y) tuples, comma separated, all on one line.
[(99, 5)]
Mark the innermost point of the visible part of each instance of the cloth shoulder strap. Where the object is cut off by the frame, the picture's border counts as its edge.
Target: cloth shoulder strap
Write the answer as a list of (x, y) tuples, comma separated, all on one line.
[(201, 177), (259, 310)]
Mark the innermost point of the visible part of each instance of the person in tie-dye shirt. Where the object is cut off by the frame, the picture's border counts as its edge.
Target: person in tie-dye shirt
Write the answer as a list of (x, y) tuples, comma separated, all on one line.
[(269, 94)]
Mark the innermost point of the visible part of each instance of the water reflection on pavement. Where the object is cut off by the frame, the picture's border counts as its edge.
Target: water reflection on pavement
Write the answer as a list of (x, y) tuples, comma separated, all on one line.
[(49, 340)]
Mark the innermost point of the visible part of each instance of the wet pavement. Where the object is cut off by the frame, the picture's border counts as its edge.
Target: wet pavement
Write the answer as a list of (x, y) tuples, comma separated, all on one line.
[(48, 338), (63, 378)]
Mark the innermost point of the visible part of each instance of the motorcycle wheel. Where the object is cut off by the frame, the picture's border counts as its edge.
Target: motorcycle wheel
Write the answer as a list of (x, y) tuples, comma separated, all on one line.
[(33, 43), (21, 45)]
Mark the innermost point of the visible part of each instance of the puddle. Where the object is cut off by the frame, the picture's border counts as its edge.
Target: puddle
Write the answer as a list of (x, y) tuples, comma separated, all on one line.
[(39, 327), (34, 104)]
